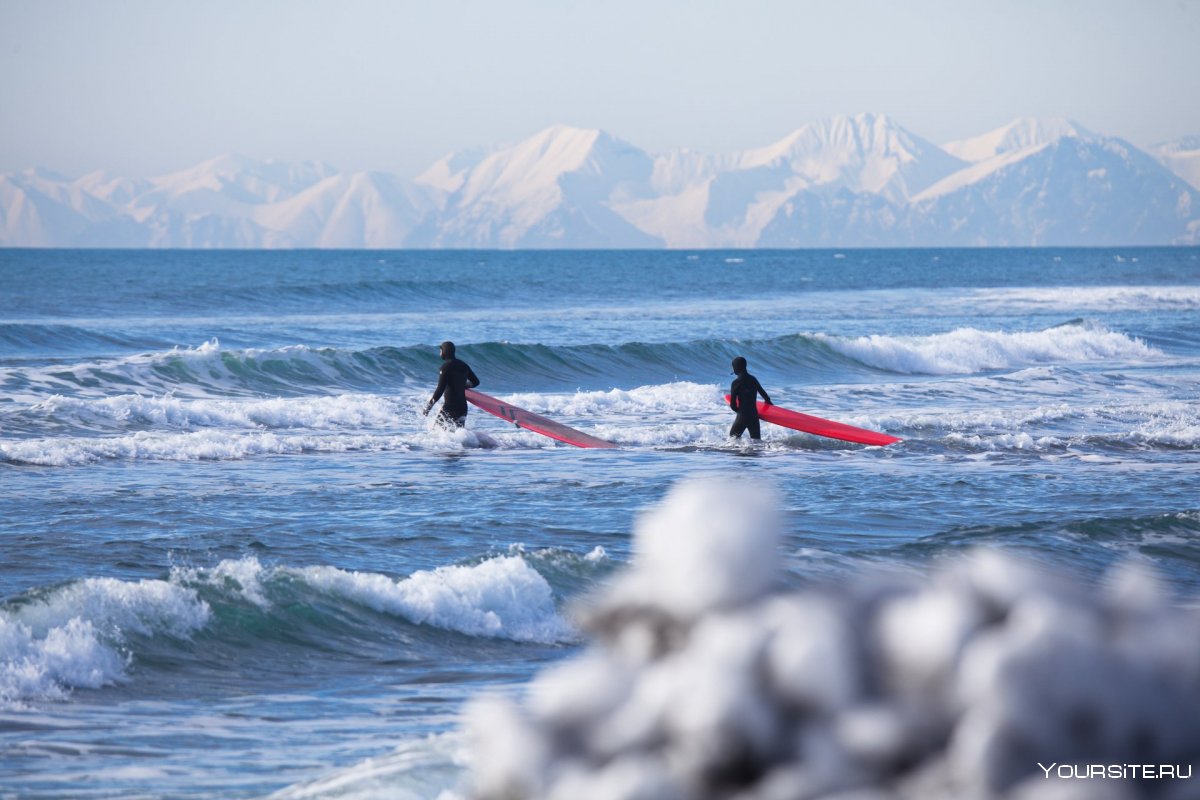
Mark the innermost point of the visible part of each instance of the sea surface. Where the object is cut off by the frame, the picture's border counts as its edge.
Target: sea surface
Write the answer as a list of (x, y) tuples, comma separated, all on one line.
[(236, 561)]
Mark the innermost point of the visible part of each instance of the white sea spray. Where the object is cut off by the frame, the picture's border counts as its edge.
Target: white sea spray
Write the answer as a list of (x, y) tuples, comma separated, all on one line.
[(500, 597), (78, 636), (968, 350)]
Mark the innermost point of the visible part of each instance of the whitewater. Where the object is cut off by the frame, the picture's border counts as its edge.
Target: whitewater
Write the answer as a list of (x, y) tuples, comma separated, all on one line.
[(237, 561)]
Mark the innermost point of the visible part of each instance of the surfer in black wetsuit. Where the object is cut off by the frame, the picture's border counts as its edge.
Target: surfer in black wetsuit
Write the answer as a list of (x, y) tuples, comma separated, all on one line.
[(454, 378), (743, 399)]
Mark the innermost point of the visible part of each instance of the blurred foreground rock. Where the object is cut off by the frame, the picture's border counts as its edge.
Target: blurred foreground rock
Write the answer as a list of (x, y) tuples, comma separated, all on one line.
[(987, 679)]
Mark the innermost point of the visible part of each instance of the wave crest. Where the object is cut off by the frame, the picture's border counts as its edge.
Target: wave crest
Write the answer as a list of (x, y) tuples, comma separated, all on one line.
[(209, 370), (968, 350), (79, 635), (86, 634)]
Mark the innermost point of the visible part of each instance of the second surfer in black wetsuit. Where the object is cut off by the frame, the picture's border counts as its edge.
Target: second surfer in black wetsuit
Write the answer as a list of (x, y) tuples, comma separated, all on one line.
[(743, 399), (454, 378)]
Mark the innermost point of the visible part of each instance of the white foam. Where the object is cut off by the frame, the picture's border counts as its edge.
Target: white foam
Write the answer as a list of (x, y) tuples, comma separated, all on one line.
[(1174, 424), (77, 635), (204, 445), (953, 684), (1008, 417), (678, 414), (242, 577), (329, 425), (1005, 441), (1169, 423), (343, 411), (46, 667), (499, 598), (679, 434), (968, 350), (1087, 298), (665, 415), (678, 397), (436, 437), (209, 355)]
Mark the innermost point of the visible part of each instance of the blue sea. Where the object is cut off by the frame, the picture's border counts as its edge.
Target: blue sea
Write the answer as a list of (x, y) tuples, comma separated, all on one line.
[(237, 561)]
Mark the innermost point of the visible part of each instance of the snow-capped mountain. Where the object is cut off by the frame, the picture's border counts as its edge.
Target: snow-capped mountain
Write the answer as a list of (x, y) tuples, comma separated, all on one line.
[(229, 181), (448, 173), (39, 208), (555, 189), (227, 202), (838, 170), (867, 153), (363, 209), (860, 180), (730, 202), (1182, 157), (1073, 191), (1022, 134)]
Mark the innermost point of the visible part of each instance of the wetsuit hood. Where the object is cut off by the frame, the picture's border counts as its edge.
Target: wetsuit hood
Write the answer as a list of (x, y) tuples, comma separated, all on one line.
[(447, 350), (739, 365)]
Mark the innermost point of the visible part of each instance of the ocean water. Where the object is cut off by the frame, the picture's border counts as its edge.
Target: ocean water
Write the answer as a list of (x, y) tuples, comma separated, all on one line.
[(236, 561)]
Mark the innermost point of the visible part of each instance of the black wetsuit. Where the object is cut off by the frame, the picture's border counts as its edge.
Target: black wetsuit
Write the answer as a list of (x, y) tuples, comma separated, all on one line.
[(743, 399), (454, 378)]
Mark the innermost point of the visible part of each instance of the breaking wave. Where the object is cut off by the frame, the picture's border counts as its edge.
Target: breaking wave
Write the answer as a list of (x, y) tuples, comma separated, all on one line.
[(91, 633), (211, 370), (78, 636), (969, 350)]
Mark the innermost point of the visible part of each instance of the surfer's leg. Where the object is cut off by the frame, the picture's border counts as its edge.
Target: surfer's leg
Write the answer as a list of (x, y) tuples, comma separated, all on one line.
[(753, 427), (735, 431)]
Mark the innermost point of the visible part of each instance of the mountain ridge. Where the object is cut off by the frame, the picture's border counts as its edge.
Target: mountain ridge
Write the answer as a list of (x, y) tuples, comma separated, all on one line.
[(849, 180)]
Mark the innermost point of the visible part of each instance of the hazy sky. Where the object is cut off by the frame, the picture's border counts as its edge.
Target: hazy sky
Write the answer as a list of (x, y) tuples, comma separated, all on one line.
[(144, 88)]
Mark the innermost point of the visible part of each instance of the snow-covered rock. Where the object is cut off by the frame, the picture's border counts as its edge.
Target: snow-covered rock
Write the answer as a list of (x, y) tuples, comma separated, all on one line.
[(986, 678)]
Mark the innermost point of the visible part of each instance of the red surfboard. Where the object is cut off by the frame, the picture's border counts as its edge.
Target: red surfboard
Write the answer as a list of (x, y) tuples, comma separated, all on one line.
[(534, 422), (821, 427)]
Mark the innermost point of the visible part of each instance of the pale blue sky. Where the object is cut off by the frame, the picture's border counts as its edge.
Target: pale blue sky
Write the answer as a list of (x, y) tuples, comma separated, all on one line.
[(144, 88)]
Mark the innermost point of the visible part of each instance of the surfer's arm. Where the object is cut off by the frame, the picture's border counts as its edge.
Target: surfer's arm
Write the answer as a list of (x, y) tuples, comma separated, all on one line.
[(437, 393), (766, 397), (472, 381)]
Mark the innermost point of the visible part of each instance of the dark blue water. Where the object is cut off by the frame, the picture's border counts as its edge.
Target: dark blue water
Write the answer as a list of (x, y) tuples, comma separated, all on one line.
[(234, 557)]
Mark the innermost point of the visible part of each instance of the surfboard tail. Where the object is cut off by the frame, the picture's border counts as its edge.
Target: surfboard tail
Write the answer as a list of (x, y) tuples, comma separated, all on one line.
[(535, 422)]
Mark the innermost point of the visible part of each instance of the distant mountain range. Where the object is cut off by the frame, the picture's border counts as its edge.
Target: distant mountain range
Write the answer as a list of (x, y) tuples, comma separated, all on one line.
[(842, 182)]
